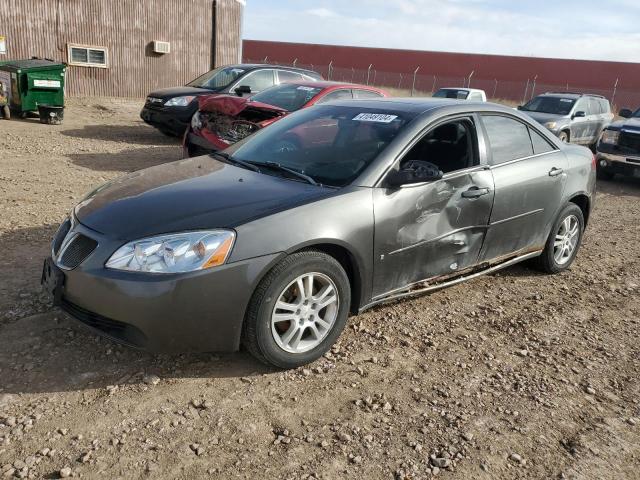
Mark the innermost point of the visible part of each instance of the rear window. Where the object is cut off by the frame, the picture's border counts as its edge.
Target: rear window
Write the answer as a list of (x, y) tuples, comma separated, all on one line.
[(451, 93), (289, 96)]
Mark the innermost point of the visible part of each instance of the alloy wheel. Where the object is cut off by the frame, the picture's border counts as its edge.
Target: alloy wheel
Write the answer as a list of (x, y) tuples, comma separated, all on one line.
[(305, 313), (566, 240)]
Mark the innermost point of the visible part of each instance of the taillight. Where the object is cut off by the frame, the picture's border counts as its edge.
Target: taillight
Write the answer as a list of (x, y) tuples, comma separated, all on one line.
[(593, 162)]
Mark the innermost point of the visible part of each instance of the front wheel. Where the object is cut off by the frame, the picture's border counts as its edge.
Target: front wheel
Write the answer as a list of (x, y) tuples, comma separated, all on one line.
[(564, 241), (298, 310), (564, 136)]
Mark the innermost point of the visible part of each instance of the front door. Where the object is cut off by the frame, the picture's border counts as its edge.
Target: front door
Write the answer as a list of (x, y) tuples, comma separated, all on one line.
[(433, 229)]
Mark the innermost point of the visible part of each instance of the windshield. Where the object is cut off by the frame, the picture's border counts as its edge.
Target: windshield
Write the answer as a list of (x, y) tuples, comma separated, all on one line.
[(289, 96), (218, 78), (330, 143), (554, 105), (451, 93)]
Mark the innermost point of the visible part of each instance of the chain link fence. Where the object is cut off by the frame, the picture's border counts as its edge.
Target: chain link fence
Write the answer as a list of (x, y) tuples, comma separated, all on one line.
[(416, 82)]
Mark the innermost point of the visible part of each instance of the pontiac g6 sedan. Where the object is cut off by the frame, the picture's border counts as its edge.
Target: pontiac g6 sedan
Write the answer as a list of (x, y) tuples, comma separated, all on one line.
[(275, 241)]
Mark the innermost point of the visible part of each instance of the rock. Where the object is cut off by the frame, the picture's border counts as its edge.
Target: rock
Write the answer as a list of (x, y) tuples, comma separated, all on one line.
[(357, 459), (514, 457), (65, 472), (590, 390), (468, 436), (522, 353), (631, 421), (306, 372), (441, 462), (484, 467), (345, 437), (150, 379)]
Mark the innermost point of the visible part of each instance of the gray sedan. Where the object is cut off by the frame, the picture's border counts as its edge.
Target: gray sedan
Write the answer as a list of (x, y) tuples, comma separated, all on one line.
[(275, 241)]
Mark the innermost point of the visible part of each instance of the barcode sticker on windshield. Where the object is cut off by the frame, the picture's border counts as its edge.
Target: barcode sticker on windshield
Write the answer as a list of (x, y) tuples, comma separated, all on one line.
[(375, 117), (307, 89), (566, 100)]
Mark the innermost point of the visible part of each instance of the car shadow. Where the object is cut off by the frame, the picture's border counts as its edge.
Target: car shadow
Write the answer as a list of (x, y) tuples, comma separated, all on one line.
[(137, 134), (128, 160), (620, 186)]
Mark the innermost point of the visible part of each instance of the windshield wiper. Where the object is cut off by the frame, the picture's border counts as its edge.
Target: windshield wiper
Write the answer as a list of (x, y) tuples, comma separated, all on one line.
[(277, 166), (234, 161)]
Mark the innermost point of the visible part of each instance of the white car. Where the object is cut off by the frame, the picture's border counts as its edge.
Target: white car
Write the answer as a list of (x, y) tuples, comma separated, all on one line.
[(472, 94)]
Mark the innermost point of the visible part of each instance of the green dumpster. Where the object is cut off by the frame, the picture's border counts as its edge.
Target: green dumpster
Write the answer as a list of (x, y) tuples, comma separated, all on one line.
[(33, 82)]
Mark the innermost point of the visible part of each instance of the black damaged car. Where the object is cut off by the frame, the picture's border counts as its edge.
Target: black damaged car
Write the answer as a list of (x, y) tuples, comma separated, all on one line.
[(619, 147), (170, 109)]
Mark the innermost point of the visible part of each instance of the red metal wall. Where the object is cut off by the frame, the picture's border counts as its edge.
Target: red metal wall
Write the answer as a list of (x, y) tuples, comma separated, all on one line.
[(596, 75)]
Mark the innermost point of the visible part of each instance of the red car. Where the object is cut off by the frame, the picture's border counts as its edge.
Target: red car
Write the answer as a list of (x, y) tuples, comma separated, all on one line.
[(222, 120)]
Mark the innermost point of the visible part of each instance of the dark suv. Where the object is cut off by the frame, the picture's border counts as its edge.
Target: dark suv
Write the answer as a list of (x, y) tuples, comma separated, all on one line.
[(619, 147), (170, 109), (572, 117)]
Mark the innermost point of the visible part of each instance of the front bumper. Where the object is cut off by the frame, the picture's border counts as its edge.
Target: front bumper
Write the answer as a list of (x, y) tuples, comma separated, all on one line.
[(195, 312), (172, 120), (621, 164)]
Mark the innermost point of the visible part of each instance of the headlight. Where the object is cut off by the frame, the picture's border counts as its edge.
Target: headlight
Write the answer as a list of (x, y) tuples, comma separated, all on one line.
[(610, 136), (550, 125), (174, 253), (196, 121), (179, 101)]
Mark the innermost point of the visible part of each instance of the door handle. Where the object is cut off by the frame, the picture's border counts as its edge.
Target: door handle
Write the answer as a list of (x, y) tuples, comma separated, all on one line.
[(475, 192), (554, 172)]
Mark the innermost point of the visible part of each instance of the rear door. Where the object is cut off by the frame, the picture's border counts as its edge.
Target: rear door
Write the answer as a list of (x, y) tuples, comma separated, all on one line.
[(580, 126), (529, 173)]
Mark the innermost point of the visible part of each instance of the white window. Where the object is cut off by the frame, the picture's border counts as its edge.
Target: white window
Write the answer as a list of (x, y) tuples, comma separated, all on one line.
[(87, 56)]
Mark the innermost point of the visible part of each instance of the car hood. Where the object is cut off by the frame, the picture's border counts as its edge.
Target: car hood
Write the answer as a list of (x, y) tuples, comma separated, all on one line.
[(192, 194), (232, 105), (543, 117), (631, 124), (166, 93)]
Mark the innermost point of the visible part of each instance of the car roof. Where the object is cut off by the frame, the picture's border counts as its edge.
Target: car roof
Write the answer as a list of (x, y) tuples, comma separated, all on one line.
[(256, 66), (420, 105), (569, 95), (329, 84), (465, 89)]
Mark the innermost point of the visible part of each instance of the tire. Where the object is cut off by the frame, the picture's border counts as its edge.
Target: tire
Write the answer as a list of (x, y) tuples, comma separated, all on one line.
[(548, 262), (604, 174), (267, 339), (564, 136)]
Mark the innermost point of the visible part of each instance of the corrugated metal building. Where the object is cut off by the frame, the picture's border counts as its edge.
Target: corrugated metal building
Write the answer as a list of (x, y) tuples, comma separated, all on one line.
[(113, 47)]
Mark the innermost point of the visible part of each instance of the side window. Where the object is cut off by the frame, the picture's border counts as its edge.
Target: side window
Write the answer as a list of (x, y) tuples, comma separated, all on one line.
[(582, 106), (450, 146), (475, 96), (258, 81), (540, 144), (286, 76), (358, 93), (594, 107), (343, 94), (508, 138), (606, 107)]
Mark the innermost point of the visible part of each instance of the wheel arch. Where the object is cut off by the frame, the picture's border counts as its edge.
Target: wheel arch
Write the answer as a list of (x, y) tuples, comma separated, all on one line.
[(582, 201), (348, 260)]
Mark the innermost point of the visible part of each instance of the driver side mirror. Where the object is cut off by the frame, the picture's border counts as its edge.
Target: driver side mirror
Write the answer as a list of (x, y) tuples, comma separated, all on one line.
[(243, 90), (415, 171), (625, 113), (579, 114), (520, 107)]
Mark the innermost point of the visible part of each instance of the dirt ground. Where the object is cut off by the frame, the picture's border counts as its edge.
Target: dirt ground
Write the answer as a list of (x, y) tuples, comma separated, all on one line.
[(514, 375)]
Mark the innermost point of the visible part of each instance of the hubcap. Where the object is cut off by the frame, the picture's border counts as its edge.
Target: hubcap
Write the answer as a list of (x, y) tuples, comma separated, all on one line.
[(305, 313), (566, 240)]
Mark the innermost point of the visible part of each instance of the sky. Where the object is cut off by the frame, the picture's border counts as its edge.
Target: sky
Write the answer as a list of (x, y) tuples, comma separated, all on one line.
[(584, 29)]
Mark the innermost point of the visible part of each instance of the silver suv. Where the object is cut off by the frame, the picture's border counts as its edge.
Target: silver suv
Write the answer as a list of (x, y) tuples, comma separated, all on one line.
[(572, 117)]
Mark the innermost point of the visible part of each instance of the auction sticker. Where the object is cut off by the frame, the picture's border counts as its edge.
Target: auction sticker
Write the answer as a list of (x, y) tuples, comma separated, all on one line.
[(306, 89), (375, 117)]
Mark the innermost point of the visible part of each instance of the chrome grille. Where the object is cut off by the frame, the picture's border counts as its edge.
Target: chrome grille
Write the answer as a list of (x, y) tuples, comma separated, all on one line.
[(75, 250), (630, 141)]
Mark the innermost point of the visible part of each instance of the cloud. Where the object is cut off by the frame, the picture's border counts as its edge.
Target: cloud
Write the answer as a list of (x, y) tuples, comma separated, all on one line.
[(322, 12)]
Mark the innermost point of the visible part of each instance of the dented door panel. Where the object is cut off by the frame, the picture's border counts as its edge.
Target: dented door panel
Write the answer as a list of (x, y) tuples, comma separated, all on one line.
[(429, 230)]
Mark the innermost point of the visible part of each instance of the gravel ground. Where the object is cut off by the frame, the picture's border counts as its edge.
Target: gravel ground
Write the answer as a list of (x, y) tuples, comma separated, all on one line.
[(514, 375)]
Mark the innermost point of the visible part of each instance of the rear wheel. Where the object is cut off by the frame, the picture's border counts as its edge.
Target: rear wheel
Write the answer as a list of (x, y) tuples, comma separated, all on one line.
[(564, 241), (298, 310)]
